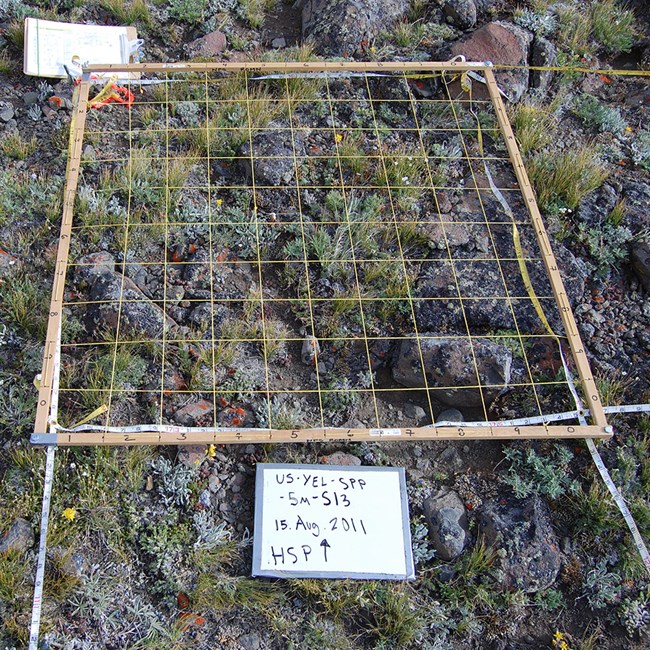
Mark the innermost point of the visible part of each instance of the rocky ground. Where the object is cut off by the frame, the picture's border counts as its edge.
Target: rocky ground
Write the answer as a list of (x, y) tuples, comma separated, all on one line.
[(516, 545)]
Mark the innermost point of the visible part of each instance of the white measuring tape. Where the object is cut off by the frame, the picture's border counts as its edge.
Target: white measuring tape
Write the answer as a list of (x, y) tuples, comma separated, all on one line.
[(605, 475), (516, 422), (37, 603)]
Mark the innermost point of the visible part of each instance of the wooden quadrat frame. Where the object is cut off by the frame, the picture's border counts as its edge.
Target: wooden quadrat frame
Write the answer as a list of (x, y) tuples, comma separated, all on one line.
[(392, 98)]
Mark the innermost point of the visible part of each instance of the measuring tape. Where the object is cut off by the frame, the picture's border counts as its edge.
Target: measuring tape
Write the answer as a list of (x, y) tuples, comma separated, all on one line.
[(517, 422), (37, 603), (603, 471)]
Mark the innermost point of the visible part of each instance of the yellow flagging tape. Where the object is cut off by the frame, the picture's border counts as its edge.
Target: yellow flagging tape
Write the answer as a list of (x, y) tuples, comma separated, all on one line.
[(557, 68), (98, 411), (526, 277), (516, 239), (539, 68)]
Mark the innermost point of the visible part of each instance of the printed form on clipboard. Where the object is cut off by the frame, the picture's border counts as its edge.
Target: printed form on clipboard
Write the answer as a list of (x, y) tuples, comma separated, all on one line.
[(51, 46)]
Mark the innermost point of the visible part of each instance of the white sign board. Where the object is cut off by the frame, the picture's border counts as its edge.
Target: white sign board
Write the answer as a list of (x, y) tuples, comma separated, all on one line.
[(49, 45), (326, 521)]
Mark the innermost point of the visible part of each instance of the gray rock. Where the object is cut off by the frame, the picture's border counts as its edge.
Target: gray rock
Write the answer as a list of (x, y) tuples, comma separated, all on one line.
[(460, 13), (499, 42), (210, 316), (450, 415), (6, 111), (273, 155), (342, 27), (279, 43), (450, 364), (528, 549), (117, 300), (18, 538), (450, 458), (596, 206), (250, 641), (445, 514), (414, 411), (72, 565), (30, 98), (342, 458), (93, 265), (543, 53), (641, 262), (637, 198), (214, 483), (89, 154)]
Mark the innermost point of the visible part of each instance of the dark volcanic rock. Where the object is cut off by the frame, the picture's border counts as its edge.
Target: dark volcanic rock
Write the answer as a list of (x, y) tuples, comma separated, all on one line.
[(209, 316), (529, 549), (543, 53), (637, 198), (447, 520), (117, 301), (273, 153), (641, 262), (450, 364), (343, 27), (596, 206), (492, 295), (460, 13)]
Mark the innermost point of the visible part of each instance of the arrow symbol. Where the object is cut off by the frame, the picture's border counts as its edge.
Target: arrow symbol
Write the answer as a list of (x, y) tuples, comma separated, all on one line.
[(325, 544)]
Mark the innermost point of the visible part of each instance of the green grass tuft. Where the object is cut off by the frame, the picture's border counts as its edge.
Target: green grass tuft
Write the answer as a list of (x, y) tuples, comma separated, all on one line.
[(15, 146), (567, 177), (613, 26)]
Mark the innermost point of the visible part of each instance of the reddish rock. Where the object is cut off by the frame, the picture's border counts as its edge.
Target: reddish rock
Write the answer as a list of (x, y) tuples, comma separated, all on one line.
[(191, 455), (341, 458), (210, 45), (444, 204), (233, 416), (195, 413), (503, 43)]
